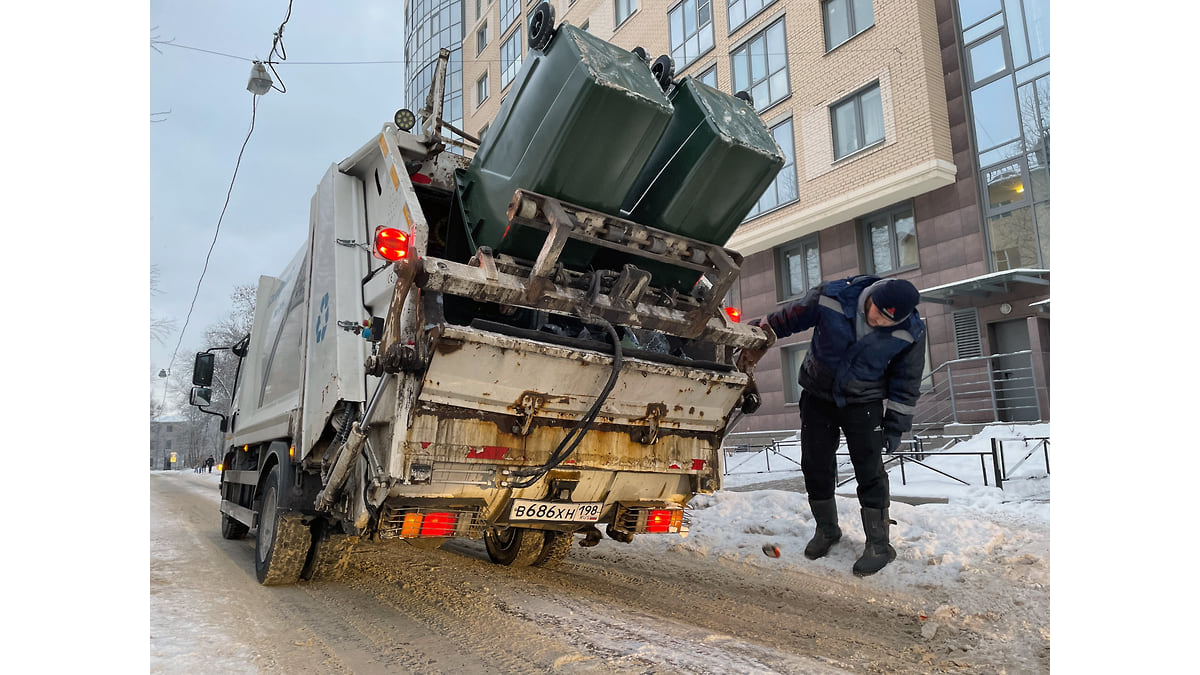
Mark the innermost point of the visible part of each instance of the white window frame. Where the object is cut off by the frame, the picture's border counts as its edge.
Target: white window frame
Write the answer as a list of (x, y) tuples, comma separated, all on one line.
[(510, 63), (481, 39)]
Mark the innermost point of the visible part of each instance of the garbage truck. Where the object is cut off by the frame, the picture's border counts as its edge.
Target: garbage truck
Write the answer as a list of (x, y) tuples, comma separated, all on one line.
[(524, 341)]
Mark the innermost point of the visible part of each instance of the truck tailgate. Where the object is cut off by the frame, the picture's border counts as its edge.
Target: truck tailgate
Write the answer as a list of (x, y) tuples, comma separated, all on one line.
[(539, 381)]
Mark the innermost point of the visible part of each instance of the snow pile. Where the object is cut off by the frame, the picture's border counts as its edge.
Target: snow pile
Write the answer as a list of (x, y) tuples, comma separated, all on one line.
[(979, 561)]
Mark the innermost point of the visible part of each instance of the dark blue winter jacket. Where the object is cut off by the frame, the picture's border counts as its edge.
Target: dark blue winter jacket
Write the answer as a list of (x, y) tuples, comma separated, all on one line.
[(850, 362)]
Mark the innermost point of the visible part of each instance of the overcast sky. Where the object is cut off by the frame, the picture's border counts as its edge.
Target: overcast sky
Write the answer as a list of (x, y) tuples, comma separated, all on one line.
[(202, 113)]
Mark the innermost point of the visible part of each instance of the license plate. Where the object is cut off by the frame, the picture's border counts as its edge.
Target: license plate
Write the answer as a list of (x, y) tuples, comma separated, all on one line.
[(580, 512)]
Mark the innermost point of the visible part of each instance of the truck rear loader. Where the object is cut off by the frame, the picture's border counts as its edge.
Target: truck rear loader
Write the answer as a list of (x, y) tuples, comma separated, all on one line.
[(491, 347)]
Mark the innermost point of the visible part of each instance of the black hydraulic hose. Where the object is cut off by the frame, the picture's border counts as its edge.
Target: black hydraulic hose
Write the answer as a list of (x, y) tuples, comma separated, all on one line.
[(576, 434)]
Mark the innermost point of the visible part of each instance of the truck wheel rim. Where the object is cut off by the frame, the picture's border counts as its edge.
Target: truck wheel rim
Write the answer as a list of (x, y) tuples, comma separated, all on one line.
[(266, 525)]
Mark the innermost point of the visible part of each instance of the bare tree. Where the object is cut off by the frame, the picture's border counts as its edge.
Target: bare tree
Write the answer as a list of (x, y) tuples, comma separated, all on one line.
[(226, 333), (160, 327)]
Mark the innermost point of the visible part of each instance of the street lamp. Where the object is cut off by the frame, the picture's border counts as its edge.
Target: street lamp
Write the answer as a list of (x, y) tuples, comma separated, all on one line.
[(260, 82)]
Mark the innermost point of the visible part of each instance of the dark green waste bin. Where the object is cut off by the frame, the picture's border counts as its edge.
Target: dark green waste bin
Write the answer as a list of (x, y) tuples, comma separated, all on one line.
[(712, 164), (714, 161), (578, 124)]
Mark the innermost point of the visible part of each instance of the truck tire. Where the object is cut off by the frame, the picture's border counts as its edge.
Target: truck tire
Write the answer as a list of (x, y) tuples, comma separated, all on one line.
[(232, 529), (555, 550), (283, 540), (329, 558), (515, 546)]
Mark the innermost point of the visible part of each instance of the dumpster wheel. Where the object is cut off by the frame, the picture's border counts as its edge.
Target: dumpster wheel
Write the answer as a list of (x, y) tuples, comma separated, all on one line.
[(541, 26)]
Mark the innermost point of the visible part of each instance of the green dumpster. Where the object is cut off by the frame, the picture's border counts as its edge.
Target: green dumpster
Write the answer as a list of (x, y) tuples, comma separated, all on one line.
[(579, 122), (714, 161)]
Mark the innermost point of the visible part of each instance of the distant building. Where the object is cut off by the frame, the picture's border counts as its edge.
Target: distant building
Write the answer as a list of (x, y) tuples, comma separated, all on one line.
[(429, 26), (917, 144), (174, 434)]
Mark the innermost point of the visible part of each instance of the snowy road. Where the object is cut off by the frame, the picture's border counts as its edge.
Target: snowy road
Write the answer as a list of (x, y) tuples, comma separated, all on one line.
[(605, 610)]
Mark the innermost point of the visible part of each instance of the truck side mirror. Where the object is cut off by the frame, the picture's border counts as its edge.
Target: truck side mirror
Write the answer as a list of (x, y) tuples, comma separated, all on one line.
[(202, 371), (201, 396)]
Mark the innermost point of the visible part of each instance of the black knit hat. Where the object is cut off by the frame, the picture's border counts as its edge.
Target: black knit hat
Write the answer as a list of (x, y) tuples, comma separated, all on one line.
[(896, 298)]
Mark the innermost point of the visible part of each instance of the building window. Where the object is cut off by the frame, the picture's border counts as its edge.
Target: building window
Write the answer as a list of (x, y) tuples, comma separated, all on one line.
[(741, 11), (793, 356), (857, 122), (481, 90), (890, 240), (760, 67), (481, 39), (709, 76), (586, 26), (1006, 52), (478, 9), (782, 190), (799, 267), (483, 130), (510, 58), (691, 31), (623, 10), (844, 19), (509, 11), (168, 446), (169, 428)]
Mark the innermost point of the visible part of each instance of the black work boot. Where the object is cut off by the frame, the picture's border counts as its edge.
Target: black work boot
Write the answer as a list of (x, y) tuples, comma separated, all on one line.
[(828, 533), (878, 552)]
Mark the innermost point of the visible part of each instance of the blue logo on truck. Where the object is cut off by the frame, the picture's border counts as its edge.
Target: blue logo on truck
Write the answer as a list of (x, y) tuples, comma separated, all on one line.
[(323, 318)]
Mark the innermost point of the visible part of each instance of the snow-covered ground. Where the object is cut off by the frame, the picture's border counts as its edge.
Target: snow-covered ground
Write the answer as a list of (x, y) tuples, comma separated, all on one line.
[(979, 561)]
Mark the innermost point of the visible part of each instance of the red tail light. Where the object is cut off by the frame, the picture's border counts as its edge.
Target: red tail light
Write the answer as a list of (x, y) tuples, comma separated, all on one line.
[(390, 243), (420, 179), (438, 524), (735, 314), (658, 521)]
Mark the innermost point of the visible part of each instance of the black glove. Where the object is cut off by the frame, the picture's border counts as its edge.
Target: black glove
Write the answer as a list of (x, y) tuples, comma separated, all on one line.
[(891, 443), (751, 401)]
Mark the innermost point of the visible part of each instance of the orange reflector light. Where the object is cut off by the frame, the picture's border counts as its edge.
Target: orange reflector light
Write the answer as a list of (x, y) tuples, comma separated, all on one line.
[(734, 313), (411, 526), (658, 521), (438, 524), (390, 243)]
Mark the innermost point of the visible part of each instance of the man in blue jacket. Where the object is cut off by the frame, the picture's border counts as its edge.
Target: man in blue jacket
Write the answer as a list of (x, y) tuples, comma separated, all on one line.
[(868, 348)]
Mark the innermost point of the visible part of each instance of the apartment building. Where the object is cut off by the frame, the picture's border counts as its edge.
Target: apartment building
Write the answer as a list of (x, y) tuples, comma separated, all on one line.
[(917, 143)]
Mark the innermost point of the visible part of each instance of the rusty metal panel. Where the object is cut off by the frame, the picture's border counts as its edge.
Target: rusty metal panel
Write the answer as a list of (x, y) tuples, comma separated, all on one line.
[(497, 374)]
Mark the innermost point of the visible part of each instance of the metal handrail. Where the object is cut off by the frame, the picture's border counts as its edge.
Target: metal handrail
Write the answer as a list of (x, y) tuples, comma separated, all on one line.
[(972, 387)]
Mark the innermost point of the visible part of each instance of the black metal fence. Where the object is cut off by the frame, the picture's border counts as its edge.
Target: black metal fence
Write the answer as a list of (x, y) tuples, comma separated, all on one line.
[(740, 456)]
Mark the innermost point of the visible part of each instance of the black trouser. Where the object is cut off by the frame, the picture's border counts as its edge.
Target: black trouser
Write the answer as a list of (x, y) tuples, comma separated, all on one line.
[(821, 425)]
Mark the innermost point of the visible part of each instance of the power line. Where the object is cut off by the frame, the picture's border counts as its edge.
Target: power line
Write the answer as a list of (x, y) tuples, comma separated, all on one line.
[(228, 194), (405, 62), (277, 48)]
